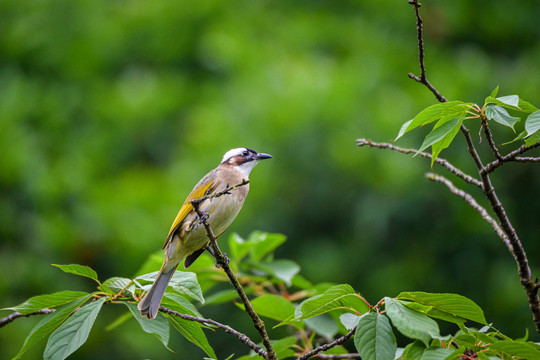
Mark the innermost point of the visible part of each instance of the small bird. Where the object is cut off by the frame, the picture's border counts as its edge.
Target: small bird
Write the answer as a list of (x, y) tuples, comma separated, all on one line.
[(187, 237)]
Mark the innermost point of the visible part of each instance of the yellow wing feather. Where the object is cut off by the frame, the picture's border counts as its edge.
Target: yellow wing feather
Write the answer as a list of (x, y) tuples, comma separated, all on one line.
[(201, 189)]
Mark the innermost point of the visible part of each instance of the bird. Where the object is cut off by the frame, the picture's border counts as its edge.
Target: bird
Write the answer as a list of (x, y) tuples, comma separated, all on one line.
[(187, 237)]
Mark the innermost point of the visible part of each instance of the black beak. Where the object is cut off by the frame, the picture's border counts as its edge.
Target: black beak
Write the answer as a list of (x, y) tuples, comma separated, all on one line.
[(262, 156)]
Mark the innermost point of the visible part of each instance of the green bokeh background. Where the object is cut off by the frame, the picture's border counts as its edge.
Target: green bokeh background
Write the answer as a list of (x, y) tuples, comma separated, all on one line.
[(111, 111)]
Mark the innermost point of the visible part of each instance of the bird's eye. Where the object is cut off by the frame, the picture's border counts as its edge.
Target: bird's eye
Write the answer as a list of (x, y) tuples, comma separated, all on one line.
[(245, 153)]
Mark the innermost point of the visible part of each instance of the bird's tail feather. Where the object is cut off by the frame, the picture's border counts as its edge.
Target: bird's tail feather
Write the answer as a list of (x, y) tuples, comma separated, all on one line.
[(149, 304)]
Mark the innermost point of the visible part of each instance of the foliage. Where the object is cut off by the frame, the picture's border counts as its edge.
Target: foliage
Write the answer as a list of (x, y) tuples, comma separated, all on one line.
[(309, 310), (450, 115)]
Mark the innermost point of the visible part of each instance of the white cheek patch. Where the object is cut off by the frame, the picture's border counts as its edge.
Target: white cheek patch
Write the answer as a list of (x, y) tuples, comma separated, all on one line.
[(246, 168)]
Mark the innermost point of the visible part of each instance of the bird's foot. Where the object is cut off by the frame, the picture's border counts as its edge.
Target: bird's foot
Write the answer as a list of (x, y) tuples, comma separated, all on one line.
[(203, 217), (215, 257)]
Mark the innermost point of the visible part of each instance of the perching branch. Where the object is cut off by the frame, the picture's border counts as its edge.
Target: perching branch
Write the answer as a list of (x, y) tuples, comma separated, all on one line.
[(338, 356), (8, 319), (223, 262), (229, 330), (513, 156), (328, 346)]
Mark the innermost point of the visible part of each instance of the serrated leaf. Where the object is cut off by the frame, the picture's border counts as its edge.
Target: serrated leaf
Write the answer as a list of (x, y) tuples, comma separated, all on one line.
[(510, 100), (282, 269), (444, 127), (81, 270), (414, 350), (337, 297), (349, 320), (494, 92), (527, 107), (323, 325), (181, 304), (453, 109), (72, 334), (116, 284), (374, 339), (434, 313), (47, 301), (193, 332), (159, 326), (48, 324), (411, 323), (500, 115), (282, 347), (182, 281), (273, 306), (264, 243), (239, 247), (532, 124), (442, 144), (454, 304), (525, 350), (437, 354)]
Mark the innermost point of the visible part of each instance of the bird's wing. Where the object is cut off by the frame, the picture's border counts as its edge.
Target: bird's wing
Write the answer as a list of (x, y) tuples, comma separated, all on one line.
[(204, 187)]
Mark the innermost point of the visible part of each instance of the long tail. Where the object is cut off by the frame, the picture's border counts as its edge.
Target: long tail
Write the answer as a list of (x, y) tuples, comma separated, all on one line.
[(149, 304)]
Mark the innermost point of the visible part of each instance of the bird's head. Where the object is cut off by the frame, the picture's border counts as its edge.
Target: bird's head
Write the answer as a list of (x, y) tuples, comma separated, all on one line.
[(243, 159)]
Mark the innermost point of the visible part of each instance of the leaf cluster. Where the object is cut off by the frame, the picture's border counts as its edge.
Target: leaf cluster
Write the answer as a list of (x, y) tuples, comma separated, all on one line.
[(449, 117), (313, 313)]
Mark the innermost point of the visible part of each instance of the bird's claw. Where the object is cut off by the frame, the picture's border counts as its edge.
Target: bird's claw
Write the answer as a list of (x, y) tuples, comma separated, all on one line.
[(203, 217)]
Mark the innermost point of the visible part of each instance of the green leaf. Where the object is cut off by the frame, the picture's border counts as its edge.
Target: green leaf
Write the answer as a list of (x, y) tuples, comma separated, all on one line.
[(239, 247), (47, 301), (532, 124), (282, 269), (510, 100), (434, 313), (193, 332), (527, 107), (181, 304), (439, 146), (349, 320), (454, 304), (158, 326), (411, 323), (273, 306), (282, 347), (116, 284), (520, 136), (437, 354), (72, 334), (444, 127), (48, 324), (500, 115), (182, 281), (323, 325), (336, 297), (264, 243), (414, 350), (81, 270), (451, 109), (533, 139), (526, 350), (494, 92), (374, 338), (221, 297)]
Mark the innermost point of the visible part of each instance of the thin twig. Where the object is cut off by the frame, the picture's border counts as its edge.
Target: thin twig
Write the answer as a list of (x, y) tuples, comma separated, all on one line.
[(473, 203), (422, 78), (8, 319), (513, 156), (489, 137), (444, 163), (328, 346), (223, 262), (229, 330)]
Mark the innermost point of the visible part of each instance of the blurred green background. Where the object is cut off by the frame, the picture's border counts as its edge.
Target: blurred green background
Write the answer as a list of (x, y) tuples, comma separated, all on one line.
[(111, 111)]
